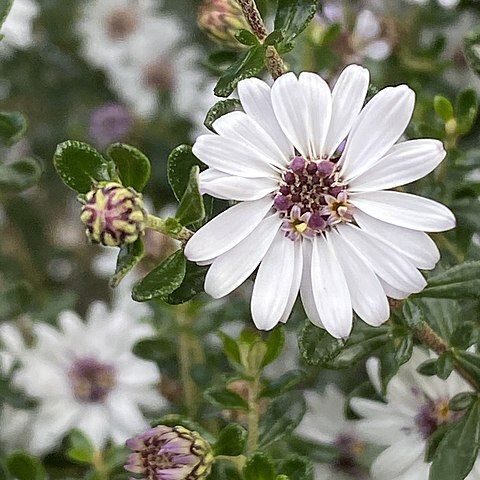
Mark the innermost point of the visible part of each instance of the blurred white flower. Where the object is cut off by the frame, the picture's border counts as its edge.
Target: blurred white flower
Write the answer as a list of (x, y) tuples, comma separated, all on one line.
[(298, 197), (85, 376), (415, 407), (17, 27), (325, 423)]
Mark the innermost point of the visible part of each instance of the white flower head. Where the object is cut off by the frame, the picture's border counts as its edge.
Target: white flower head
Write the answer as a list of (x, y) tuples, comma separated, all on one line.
[(317, 221), (416, 406), (85, 376), (325, 423), (17, 27)]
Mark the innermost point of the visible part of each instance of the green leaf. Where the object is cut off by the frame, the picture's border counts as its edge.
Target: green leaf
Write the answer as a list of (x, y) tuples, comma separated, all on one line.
[(13, 125), (230, 348), (20, 175), (443, 108), (428, 367), (467, 109), (23, 466), (462, 401), (413, 315), (457, 451), (462, 336), (128, 256), (441, 314), (231, 441), (259, 467), (191, 208), (133, 166), (80, 165), (249, 64), (469, 362), (461, 281), (320, 348), (224, 470), (219, 109), (81, 448), (293, 16), (162, 280), (281, 418), (282, 384), (471, 44), (157, 349), (5, 6), (434, 441), (180, 163), (297, 468), (275, 343), (246, 37), (191, 285), (15, 298), (444, 365), (225, 399)]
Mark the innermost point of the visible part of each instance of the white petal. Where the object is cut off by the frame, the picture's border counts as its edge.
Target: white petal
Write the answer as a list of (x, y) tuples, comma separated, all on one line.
[(385, 262), (348, 96), (297, 278), (368, 298), (379, 125), (405, 163), (405, 210), (226, 230), (245, 130), (229, 187), (255, 97), (94, 423), (330, 290), (393, 292), (289, 106), (319, 110), (416, 246), (231, 269), (232, 157), (273, 283), (393, 461), (306, 289)]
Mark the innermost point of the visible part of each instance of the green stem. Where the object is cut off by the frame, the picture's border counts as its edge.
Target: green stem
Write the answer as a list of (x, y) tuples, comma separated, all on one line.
[(273, 60), (431, 339), (253, 414), (160, 225), (99, 465), (190, 353)]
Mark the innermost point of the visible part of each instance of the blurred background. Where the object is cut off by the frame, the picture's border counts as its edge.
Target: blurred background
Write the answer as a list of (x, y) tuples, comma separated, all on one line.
[(142, 72)]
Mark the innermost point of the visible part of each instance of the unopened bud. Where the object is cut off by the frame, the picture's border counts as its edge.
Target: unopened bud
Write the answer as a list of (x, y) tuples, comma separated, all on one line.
[(114, 215), (169, 452), (221, 20)]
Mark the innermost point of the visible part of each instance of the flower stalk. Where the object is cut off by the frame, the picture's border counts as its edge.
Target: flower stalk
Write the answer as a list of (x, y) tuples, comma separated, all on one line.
[(273, 60), (160, 225), (253, 414)]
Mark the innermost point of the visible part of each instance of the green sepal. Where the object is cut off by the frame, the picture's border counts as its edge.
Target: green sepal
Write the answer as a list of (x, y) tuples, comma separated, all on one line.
[(458, 449), (259, 466), (13, 125), (128, 256), (23, 466), (162, 280), (191, 208), (20, 175), (248, 65), (133, 166), (80, 448), (80, 166), (179, 166), (231, 441), (219, 109), (293, 16)]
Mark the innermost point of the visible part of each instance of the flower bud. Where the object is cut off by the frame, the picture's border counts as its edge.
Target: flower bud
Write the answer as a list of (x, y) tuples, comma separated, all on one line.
[(114, 215), (220, 20), (169, 452)]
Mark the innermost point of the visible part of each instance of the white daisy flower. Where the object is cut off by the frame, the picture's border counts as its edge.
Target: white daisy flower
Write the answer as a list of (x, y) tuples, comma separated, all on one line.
[(316, 222), (416, 406), (17, 27), (85, 376), (325, 423)]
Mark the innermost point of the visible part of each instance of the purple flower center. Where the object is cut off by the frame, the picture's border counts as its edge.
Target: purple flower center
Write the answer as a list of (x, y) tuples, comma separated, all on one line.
[(432, 415), (350, 450), (91, 380), (311, 197), (121, 23)]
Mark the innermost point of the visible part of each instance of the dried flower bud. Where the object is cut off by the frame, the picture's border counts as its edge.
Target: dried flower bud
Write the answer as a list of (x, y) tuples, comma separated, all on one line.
[(220, 20), (169, 452), (113, 214)]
